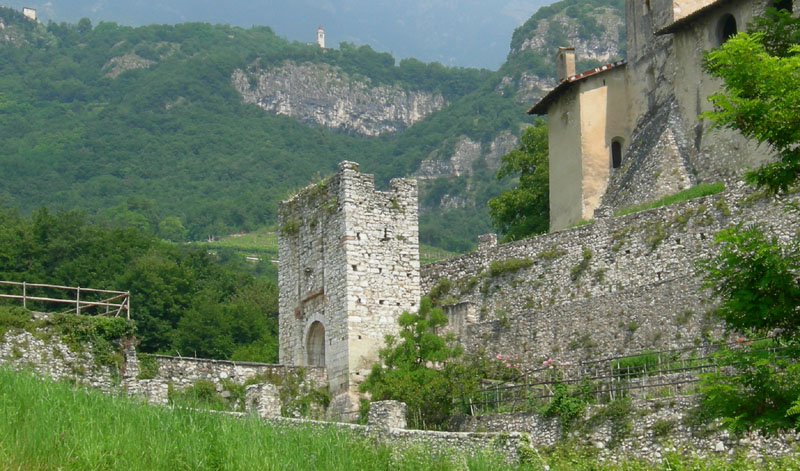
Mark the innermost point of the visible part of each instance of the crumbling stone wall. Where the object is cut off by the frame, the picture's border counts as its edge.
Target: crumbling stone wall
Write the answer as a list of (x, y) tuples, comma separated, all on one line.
[(184, 372), (43, 352), (613, 287), (349, 265)]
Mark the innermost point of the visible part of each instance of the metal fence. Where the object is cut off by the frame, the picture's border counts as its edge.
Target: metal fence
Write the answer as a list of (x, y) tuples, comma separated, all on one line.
[(80, 300), (649, 374)]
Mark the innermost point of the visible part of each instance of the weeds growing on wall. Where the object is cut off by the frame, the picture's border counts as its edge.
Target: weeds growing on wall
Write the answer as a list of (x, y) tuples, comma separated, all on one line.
[(703, 189), (509, 265), (101, 334)]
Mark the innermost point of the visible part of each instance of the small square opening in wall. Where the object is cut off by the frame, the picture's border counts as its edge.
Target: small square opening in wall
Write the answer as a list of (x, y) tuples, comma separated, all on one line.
[(381, 301), (355, 267), (359, 337)]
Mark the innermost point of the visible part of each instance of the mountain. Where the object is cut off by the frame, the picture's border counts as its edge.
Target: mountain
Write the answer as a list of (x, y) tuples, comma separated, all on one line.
[(472, 33), (195, 130)]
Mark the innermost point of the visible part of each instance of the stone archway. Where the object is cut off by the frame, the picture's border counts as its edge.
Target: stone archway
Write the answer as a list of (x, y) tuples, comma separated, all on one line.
[(315, 345)]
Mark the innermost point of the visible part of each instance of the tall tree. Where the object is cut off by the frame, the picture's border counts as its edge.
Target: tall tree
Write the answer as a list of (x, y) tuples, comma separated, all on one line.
[(524, 210)]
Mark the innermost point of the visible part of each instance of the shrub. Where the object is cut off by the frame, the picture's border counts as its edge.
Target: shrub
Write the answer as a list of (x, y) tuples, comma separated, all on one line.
[(509, 265)]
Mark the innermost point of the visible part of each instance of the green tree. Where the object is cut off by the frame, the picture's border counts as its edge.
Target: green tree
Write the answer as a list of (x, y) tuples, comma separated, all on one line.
[(761, 93), (419, 368), (524, 210), (755, 277)]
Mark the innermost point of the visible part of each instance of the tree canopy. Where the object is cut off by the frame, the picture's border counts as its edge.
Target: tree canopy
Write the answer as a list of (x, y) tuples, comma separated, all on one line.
[(761, 93), (525, 210)]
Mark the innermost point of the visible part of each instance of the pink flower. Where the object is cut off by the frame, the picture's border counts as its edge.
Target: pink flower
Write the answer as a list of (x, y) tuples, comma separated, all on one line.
[(499, 356), (516, 365), (547, 362), (566, 363), (508, 365), (551, 367)]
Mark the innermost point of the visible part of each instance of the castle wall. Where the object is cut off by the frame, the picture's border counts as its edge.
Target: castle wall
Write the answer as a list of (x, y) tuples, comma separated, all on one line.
[(617, 286), (312, 277), (349, 262)]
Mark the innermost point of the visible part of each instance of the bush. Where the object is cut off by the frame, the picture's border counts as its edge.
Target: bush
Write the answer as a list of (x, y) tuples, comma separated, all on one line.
[(509, 265)]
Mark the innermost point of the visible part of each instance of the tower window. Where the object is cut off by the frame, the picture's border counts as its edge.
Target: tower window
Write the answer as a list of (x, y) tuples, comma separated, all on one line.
[(616, 152), (726, 27)]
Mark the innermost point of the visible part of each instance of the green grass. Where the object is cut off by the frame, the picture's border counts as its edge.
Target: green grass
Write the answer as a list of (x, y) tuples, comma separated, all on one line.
[(696, 191), (46, 426), (430, 254), (264, 244)]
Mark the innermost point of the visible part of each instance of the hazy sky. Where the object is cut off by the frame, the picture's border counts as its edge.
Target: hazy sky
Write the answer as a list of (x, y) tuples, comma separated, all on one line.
[(469, 33)]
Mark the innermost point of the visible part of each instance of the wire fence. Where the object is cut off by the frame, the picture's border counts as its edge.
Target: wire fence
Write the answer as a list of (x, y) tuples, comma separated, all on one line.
[(649, 374), (45, 297)]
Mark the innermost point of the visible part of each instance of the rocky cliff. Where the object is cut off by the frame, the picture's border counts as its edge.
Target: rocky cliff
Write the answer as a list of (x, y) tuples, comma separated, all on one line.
[(597, 32), (325, 95)]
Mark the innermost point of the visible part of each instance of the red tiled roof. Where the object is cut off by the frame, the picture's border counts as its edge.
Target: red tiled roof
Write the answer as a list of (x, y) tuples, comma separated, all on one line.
[(541, 107)]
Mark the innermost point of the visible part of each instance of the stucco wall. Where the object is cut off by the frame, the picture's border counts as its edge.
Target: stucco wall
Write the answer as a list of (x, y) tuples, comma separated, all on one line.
[(564, 128)]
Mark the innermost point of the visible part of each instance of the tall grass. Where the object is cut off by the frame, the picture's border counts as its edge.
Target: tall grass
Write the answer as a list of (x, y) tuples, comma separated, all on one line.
[(47, 426)]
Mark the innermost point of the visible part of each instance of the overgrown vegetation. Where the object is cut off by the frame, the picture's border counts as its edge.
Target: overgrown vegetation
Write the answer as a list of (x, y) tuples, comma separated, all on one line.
[(508, 265), (100, 335)]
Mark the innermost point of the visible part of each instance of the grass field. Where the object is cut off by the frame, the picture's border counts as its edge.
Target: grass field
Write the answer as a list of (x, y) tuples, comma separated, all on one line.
[(57, 426), (263, 245)]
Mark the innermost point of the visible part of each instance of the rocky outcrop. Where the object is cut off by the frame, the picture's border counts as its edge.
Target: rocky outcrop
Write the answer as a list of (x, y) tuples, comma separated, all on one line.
[(602, 48), (325, 95), (465, 154), (117, 65)]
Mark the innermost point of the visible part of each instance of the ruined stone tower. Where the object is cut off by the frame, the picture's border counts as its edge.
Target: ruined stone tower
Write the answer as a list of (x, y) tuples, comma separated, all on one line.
[(349, 265)]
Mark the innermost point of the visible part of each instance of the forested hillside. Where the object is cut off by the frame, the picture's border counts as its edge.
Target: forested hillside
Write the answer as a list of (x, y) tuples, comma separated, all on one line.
[(146, 127)]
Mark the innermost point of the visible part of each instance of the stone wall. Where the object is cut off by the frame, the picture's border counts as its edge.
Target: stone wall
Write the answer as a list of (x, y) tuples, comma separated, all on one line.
[(648, 430), (613, 287), (45, 353), (183, 372)]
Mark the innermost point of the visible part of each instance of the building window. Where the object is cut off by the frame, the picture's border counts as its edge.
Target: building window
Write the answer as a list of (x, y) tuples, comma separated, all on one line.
[(783, 5), (726, 27), (315, 345), (616, 152)]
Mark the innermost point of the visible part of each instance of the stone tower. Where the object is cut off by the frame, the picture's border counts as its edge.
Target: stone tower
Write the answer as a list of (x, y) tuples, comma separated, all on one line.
[(349, 265), (321, 37)]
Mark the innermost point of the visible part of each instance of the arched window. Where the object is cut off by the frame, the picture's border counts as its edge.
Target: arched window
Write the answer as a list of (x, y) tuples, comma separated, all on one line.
[(726, 27), (616, 152), (315, 345), (783, 5)]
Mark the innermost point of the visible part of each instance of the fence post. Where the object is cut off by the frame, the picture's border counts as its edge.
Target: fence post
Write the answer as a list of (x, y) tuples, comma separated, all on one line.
[(78, 301), (24, 296)]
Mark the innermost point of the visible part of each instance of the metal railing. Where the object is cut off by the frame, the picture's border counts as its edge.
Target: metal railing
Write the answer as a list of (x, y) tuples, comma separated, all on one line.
[(82, 300)]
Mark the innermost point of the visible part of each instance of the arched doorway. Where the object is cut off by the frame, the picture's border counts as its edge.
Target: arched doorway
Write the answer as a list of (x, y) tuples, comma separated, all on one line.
[(315, 344), (726, 27), (616, 152)]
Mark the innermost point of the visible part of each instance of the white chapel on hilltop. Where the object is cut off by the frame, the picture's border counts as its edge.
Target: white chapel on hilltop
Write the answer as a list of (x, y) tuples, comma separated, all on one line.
[(321, 37)]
